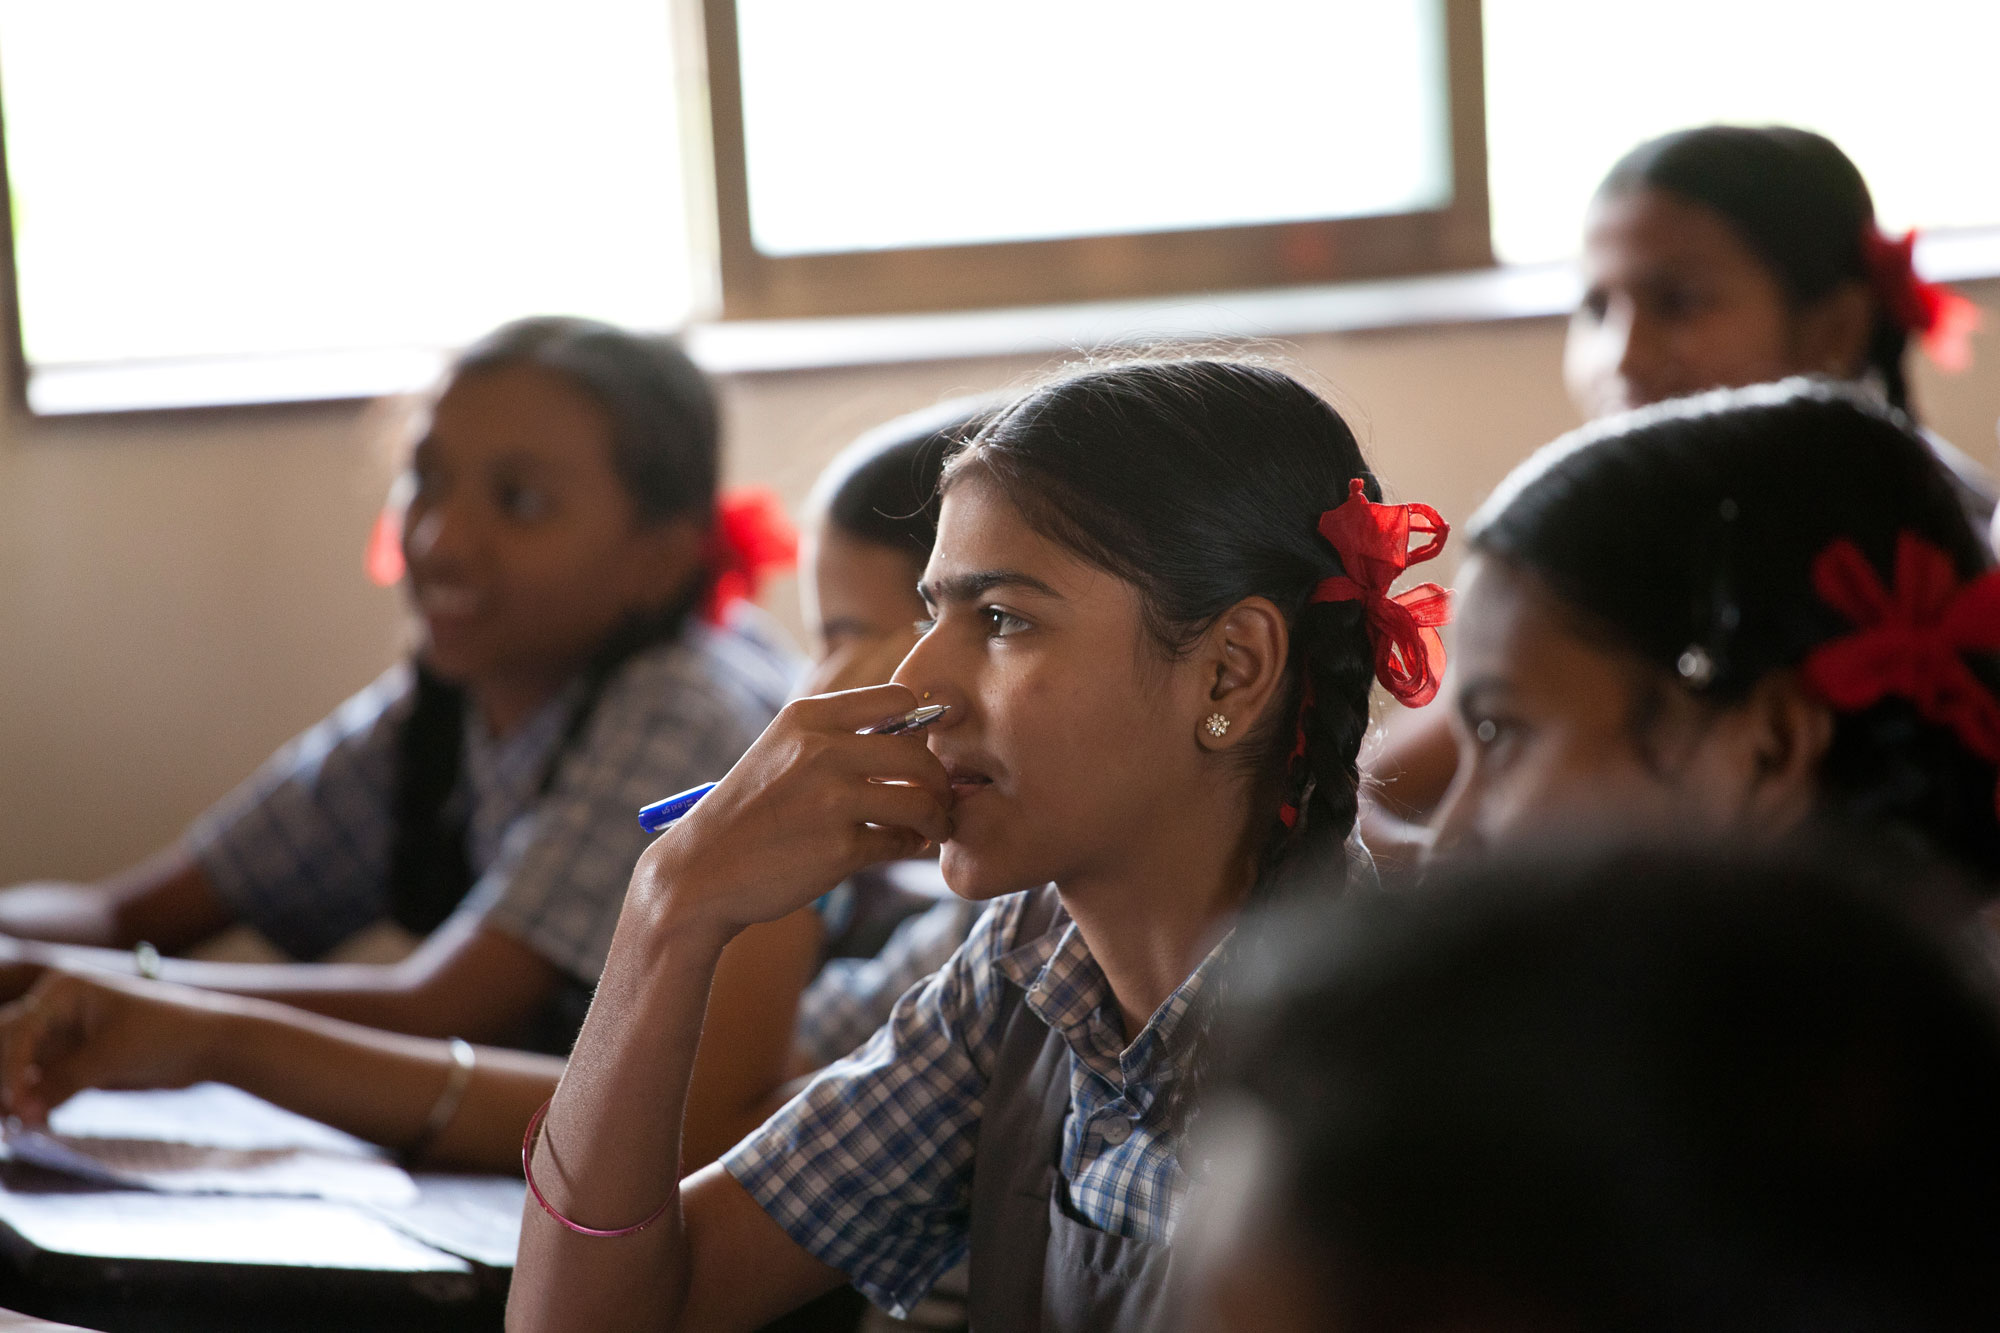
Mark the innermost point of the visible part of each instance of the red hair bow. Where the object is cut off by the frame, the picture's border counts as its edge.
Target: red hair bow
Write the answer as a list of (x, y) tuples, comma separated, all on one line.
[(1940, 316), (1910, 641), (752, 539), (1373, 542)]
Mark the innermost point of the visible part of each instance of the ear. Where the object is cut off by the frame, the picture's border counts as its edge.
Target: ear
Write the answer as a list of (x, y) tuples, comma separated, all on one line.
[(1241, 661), (1831, 335), (665, 558), (1787, 732)]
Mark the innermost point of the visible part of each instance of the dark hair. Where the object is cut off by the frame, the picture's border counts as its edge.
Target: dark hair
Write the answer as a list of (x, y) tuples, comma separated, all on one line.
[(1636, 1091), (664, 446), (885, 487), (1200, 482), (1689, 529), (1796, 200)]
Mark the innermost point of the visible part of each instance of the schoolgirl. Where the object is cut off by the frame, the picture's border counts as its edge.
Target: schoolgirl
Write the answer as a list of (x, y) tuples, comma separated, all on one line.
[(1159, 599), (871, 522), (1754, 613), (568, 569)]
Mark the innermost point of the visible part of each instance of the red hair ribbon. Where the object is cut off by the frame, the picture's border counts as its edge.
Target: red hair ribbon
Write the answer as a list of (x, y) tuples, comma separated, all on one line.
[(1940, 316), (1910, 641), (752, 539), (384, 557), (1373, 543)]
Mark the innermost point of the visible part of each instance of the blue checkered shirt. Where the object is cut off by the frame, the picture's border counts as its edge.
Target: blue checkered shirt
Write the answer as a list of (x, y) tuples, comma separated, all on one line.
[(869, 1169), (851, 997), (301, 849)]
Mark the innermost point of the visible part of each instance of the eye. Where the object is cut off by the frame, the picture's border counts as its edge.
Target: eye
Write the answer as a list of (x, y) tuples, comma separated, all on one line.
[(1676, 300), (1001, 623), (522, 501), (1595, 303), (1487, 731)]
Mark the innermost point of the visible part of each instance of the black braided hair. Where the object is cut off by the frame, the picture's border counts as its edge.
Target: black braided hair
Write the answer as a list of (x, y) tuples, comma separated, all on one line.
[(1795, 199), (1695, 525), (1201, 482), (664, 447)]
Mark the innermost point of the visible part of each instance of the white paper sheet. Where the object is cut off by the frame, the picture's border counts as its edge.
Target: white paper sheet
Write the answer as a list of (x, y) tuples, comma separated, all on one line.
[(210, 1139)]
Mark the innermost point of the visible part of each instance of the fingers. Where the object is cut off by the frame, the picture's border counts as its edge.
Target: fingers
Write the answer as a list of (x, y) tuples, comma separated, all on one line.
[(33, 1031), (851, 710), (872, 845), (911, 808)]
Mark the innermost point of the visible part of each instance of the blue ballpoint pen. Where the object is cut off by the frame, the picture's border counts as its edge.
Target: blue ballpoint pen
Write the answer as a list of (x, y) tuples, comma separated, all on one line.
[(656, 817)]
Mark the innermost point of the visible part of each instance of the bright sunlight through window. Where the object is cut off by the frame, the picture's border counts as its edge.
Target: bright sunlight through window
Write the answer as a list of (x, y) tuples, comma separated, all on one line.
[(1907, 89), (212, 178), (891, 123)]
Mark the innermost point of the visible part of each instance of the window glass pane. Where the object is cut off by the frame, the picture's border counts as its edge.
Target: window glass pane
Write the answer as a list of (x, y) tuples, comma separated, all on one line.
[(230, 176), (888, 123), (1906, 89)]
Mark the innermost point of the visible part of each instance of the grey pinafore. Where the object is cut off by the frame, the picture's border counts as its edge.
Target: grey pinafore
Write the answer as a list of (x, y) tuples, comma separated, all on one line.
[(1037, 1267)]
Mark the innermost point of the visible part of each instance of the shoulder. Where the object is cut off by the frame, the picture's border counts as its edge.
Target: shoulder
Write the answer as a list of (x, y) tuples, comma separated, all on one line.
[(367, 721), (704, 670)]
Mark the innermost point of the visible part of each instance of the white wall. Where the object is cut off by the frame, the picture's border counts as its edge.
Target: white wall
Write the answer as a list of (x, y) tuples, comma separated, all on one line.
[(180, 593)]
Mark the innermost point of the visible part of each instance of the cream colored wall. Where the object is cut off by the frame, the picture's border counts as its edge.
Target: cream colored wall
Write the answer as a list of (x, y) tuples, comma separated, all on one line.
[(180, 593)]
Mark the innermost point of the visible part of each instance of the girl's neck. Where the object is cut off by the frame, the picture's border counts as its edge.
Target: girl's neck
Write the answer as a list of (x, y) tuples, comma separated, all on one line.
[(504, 705), (1150, 923)]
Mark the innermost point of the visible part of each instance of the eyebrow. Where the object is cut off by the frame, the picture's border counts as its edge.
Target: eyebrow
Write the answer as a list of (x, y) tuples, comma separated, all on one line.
[(1475, 692), (965, 587)]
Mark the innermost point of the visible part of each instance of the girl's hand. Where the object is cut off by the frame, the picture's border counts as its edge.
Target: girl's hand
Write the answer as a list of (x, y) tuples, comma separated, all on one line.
[(76, 1031), (809, 804)]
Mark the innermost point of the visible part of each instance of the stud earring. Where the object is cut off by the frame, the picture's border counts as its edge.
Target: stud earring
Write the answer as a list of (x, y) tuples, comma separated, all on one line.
[(1217, 724), (927, 694)]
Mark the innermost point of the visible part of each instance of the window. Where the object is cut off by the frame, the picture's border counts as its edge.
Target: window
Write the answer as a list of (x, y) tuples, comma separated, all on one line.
[(235, 178), (225, 183), (1906, 90), (910, 154)]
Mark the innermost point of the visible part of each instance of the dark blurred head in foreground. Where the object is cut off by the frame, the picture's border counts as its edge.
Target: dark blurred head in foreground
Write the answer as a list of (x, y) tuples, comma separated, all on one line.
[(1639, 1091)]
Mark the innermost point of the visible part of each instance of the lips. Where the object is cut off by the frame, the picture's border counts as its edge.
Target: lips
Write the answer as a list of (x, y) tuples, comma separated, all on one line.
[(965, 781)]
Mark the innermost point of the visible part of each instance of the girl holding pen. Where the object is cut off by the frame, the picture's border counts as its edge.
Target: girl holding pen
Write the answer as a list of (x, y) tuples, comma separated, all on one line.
[(1159, 598)]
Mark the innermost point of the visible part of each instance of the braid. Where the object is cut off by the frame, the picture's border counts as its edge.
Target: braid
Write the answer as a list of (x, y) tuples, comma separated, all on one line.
[(429, 873), (1334, 662)]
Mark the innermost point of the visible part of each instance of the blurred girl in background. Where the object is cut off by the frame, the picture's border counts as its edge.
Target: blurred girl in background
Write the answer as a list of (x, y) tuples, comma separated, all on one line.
[(870, 525), (581, 649)]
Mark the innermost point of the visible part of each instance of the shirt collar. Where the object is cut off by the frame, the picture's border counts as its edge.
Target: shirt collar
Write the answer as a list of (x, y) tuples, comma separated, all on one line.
[(515, 764), (1065, 988)]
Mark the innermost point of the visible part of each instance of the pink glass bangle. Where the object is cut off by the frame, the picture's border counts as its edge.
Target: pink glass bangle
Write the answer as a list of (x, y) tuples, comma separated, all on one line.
[(528, 1170)]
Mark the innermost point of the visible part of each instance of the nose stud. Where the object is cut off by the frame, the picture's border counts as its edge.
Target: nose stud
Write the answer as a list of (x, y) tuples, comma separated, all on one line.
[(1217, 724)]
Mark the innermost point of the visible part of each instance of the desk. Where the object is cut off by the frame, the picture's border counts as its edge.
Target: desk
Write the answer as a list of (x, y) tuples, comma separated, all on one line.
[(135, 1261)]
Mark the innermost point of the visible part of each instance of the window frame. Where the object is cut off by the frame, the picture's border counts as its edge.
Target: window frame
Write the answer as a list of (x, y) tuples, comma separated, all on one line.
[(755, 285)]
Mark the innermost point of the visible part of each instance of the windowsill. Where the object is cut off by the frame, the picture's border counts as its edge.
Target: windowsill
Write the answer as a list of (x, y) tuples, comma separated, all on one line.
[(769, 346)]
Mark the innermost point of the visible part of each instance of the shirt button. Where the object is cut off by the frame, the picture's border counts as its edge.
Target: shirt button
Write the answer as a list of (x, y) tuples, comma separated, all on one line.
[(1116, 1131)]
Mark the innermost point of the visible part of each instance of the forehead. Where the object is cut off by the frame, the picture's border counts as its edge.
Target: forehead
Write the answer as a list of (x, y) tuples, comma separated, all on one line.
[(521, 410), (1511, 630), (980, 530), (1645, 227)]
